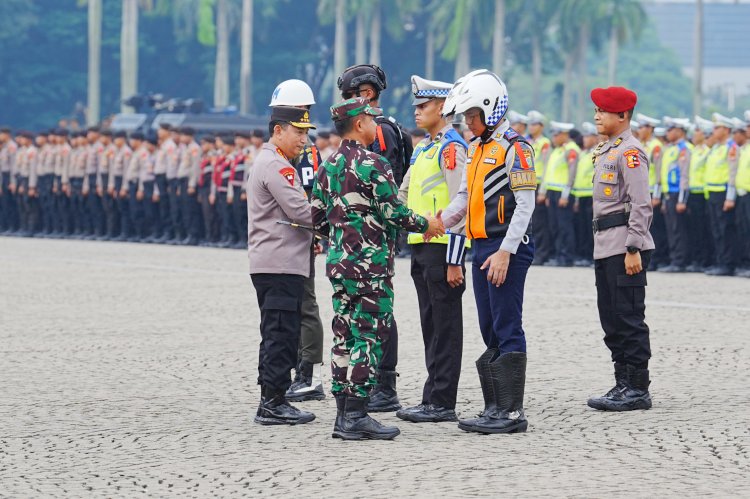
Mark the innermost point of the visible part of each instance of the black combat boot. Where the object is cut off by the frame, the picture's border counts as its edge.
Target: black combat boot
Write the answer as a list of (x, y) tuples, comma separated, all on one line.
[(308, 384), (621, 378), (355, 424), (384, 397), (275, 410), (507, 381), (633, 396)]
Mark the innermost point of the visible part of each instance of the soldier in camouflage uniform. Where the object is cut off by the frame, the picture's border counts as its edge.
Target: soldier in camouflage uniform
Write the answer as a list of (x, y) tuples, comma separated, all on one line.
[(355, 202)]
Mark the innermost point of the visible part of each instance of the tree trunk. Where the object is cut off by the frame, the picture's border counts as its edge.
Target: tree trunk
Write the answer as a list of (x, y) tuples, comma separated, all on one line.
[(95, 49), (246, 57), (360, 43), (375, 31), (221, 75), (613, 51), (498, 38), (536, 71), (128, 52), (584, 39), (567, 83), (429, 64), (339, 48), (463, 59), (698, 59)]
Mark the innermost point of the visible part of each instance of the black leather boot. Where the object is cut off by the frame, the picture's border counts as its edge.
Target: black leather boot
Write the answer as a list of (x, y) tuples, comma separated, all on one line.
[(633, 396), (384, 397), (355, 424), (275, 410), (483, 370), (621, 378), (508, 381)]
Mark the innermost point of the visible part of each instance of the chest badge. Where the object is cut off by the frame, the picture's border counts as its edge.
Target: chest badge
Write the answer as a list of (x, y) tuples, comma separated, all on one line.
[(494, 150), (607, 191)]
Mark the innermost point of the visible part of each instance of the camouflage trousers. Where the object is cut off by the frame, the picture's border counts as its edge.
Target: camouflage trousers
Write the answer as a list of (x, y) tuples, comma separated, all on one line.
[(363, 314)]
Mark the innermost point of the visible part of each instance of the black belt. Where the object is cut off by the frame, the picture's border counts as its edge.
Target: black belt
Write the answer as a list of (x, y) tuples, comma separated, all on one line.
[(609, 221)]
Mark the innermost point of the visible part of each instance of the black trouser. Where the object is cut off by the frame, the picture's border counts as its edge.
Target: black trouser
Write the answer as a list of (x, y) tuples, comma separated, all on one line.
[(699, 232), (583, 217), (279, 299), (743, 230), (61, 213), (143, 212), (77, 209), (46, 202), (122, 208), (208, 212), (677, 231), (22, 201), (722, 229), (175, 210), (622, 309), (659, 233), (311, 332), (189, 210), (227, 217), (8, 209), (164, 223), (561, 227), (240, 214), (544, 243), (93, 207), (440, 314), (111, 208)]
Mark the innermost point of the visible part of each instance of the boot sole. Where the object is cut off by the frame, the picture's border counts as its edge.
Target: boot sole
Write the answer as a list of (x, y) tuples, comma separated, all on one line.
[(277, 422), (345, 435), (517, 428), (638, 406), (305, 397), (388, 408)]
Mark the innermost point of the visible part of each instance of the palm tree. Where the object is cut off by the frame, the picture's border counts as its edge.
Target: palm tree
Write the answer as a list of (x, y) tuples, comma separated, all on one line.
[(246, 54), (626, 22), (94, 61), (128, 52), (498, 38), (534, 25), (221, 74), (457, 15), (698, 59)]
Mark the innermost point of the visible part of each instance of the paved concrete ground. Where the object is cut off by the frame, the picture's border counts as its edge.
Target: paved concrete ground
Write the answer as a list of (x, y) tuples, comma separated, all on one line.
[(130, 369)]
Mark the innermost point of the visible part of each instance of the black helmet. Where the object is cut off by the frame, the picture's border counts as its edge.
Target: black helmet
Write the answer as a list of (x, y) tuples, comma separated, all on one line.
[(354, 76)]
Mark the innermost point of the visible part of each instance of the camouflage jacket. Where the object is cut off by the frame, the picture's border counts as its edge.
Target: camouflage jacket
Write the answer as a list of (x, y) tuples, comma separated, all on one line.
[(355, 201)]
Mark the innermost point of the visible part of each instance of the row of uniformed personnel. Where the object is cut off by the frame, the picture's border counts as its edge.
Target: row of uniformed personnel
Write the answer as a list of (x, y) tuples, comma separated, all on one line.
[(699, 180)]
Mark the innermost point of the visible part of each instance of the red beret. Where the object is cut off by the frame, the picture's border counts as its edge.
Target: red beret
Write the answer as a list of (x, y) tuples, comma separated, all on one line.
[(614, 99)]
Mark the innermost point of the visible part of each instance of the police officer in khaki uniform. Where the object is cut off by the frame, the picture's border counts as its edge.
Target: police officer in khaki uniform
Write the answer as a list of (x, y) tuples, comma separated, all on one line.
[(279, 259), (622, 248)]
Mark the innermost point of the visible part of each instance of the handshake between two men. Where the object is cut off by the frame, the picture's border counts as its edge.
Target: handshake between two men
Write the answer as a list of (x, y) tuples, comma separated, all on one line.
[(435, 227)]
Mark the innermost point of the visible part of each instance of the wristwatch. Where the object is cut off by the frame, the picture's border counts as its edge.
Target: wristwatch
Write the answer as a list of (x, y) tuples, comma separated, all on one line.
[(633, 250)]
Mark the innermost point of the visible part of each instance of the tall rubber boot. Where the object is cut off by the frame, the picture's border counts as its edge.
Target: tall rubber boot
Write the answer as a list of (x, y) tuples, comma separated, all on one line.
[(508, 382)]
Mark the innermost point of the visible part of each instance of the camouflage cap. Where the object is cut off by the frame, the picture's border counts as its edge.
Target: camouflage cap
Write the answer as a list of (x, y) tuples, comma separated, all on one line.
[(353, 107)]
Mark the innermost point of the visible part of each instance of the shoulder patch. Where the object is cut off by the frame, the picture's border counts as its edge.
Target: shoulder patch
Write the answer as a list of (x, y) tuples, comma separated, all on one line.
[(732, 152), (572, 155), (449, 157), (288, 173), (545, 147), (633, 160)]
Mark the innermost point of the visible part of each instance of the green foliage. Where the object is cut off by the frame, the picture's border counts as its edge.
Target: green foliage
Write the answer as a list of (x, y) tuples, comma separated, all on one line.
[(43, 50)]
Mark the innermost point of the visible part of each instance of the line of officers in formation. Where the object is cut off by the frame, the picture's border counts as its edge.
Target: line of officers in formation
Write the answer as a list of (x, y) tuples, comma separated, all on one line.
[(699, 181), (172, 188), (99, 184)]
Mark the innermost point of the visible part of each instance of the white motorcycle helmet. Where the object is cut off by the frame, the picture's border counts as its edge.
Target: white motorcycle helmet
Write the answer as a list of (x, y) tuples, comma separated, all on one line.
[(292, 93), (482, 89)]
